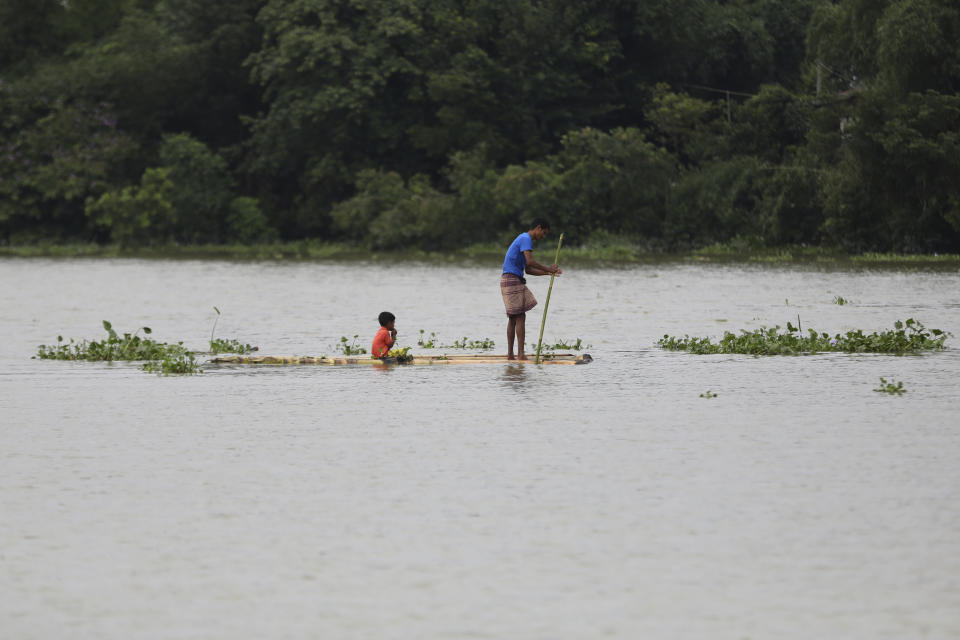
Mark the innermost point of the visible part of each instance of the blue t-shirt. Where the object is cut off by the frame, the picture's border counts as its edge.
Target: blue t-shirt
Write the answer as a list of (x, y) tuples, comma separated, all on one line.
[(516, 262)]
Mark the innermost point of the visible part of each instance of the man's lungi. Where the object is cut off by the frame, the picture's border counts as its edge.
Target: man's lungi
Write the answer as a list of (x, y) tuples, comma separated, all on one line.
[(517, 298)]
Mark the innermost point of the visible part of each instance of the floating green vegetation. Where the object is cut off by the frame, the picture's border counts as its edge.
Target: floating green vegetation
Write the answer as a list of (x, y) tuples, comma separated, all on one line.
[(482, 344), (840, 300), (561, 345), (402, 355), (565, 345), (229, 345), (226, 345), (708, 394), (161, 357), (891, 388), (174, 363), (906, 337), (115, 347), (433, 342), (348, 347)]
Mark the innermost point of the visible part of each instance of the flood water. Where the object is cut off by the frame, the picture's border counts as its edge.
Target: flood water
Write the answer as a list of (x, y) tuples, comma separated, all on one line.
[(476, 501)]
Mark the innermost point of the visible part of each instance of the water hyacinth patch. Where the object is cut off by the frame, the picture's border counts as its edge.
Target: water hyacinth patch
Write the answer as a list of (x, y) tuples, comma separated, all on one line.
[(161, 357), (401, 354), (906, 337), (229, 345), (174, 363), (433, 342), (562, 345), (350, 348), (892, 388), (482, 344), (115, 347), (566, 345)]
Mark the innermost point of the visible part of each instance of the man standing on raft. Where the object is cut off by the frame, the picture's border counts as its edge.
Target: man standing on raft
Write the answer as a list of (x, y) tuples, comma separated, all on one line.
[(517, 298)]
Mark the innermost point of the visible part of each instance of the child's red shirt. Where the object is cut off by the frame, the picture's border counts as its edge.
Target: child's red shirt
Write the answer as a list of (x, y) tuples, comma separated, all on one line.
[(381, 343)]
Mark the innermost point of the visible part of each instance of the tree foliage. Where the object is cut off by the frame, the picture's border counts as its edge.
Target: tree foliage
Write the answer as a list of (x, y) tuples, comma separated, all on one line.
[(438, 124)]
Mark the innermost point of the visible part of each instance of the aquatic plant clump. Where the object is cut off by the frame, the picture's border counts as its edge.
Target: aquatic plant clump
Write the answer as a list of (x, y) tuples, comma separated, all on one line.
[(115, 347), (226, 345), (229, 345), (574, 345), (906, 337), (433, 342), (160, 357), (562, 345), (350, 348), (174, 363), (401, 354), (892, 387), (482, 344)]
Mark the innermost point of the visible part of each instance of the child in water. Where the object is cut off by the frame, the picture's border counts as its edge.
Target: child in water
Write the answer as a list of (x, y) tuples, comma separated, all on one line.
[(385, 337)]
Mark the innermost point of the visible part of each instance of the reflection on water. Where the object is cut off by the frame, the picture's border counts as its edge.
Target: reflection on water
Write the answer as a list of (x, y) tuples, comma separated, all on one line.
[(514, 374), (500, 500)]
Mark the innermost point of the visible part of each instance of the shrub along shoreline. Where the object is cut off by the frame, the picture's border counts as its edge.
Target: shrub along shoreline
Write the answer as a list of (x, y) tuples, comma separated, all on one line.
[(612, 253)]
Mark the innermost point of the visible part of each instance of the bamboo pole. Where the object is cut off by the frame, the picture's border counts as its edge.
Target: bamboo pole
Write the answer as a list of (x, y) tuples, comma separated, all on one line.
[(546, 305)]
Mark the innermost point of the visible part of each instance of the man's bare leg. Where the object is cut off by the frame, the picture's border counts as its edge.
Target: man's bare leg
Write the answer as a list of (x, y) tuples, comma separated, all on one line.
[(511, 329), (521, 335)]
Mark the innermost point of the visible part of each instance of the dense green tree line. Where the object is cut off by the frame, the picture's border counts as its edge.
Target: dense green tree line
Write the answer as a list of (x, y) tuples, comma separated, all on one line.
[(441, 123)]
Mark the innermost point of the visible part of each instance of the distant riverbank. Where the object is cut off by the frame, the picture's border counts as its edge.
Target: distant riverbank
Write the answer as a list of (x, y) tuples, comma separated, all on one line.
[(613, 254)]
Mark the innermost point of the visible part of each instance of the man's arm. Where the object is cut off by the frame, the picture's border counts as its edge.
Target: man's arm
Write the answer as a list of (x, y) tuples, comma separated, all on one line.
[(534, 268)]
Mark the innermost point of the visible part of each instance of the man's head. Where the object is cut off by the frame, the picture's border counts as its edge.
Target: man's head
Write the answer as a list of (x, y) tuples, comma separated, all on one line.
[(539, 228), (386, 319)]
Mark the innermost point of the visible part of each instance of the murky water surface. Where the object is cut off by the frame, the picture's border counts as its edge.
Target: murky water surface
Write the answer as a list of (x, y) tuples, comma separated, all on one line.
[(481, 501)]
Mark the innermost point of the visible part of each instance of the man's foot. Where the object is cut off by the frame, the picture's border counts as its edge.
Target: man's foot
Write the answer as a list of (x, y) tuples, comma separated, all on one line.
[(510, 356), (521, 356)]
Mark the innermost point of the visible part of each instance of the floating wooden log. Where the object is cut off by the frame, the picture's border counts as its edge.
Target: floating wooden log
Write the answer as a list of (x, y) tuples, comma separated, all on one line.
[(556, 358)]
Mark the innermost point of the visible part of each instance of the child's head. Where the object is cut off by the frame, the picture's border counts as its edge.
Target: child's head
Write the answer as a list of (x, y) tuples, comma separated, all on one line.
[(386, 319)]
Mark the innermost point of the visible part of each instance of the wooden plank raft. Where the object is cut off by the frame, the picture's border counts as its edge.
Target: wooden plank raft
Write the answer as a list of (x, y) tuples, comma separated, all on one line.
[(553, 358)]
